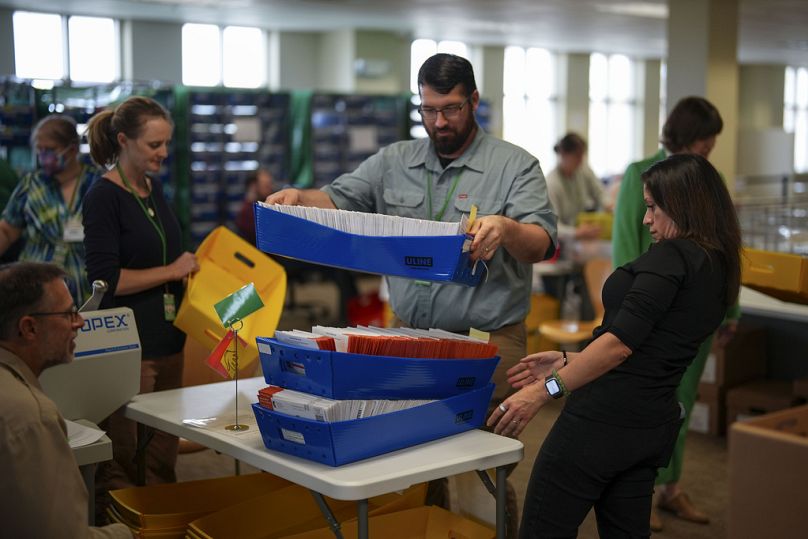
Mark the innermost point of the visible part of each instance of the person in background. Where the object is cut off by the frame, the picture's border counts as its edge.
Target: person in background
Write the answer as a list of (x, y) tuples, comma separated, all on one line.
[(621, 417), (8, 181), (691, 128), (133, 243), (259, 186), (439, 178), (574, 189), (46, 206), (43, 493)]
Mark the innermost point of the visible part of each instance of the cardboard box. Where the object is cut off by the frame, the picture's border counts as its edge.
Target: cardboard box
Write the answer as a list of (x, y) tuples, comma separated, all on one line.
[(741, 360), (767, 476), (758, 397), (709, 413)]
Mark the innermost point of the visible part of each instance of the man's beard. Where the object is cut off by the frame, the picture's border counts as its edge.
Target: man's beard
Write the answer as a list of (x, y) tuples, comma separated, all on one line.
[(452, 140)]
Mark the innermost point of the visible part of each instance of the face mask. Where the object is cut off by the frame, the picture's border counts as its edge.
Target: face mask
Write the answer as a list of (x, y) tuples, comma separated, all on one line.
[(51, 162)]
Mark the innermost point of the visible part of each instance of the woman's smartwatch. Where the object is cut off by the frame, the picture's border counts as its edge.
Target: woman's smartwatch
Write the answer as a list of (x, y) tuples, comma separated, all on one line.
[(553, 387)]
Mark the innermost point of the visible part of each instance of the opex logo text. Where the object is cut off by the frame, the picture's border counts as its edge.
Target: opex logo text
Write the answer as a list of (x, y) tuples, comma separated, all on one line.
[(114, 322)]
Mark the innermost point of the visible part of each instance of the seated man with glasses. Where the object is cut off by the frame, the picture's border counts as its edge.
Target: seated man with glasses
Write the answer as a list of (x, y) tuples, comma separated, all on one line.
[(43, 493), (440, 178)]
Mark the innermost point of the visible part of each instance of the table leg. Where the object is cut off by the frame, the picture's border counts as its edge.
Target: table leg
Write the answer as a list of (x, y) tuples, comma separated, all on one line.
[(362, 517), (498, 492), (144, 436), (333, 523), (501, 487), (88, 474)]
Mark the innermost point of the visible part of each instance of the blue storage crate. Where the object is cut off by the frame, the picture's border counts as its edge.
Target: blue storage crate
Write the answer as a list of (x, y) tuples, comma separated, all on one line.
[(339, 375), (343, 442), (430, 258)]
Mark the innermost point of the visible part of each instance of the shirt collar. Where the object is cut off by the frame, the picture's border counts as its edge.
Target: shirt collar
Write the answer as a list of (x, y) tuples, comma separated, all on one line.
[(19, 368)]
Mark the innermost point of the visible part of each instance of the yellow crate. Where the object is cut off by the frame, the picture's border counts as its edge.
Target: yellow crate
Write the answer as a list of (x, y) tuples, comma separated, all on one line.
[(167, 506), (422, 523), (602, 219), (293, 510), (781, 275), (543, 307), (226, 263)]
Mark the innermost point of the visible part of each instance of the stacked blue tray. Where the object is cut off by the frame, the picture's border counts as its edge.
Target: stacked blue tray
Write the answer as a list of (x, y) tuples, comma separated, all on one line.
[(461, 386), (428, 258)]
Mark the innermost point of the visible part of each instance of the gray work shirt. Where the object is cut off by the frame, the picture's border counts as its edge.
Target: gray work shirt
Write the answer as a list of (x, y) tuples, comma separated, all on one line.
[(500, 178)]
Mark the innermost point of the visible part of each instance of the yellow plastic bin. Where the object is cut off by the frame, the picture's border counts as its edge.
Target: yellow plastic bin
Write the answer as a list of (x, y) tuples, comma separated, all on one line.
[(781, 275), (602, 219), (226, 263), (163, 508), (430, 522), (293, 510)]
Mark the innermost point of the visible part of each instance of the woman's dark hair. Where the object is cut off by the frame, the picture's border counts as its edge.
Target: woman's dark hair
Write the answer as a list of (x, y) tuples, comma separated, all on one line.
[(692, 119), (127, 118), (570, 143), (691, 192), (442, 72), (59, 127), (22, 291)]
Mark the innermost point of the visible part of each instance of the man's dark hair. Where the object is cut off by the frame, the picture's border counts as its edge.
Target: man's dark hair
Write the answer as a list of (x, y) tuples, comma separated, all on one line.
[(690, 190), (570, 143), (442, 72), (22, 291), (692, 119)]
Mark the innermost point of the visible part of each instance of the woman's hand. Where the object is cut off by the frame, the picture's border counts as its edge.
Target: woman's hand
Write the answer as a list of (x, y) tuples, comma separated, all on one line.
[(184, 265), (512, 416), (534, 368)]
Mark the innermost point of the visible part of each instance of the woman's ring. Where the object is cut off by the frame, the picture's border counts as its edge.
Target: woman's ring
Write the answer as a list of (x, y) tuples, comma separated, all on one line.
[(503, 407)]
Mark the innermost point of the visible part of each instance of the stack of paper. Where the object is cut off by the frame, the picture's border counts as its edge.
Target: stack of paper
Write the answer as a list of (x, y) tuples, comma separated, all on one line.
[(397, 342), (372, 224), (298, 404)]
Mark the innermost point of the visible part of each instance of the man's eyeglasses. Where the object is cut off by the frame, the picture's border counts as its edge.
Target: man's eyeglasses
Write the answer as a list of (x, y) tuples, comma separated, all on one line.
[(449, 111), (73, 314)]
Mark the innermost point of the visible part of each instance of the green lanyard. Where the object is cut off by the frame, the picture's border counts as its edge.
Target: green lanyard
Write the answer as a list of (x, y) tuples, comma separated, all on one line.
[(155, 221), (75, 190), (439, 216)]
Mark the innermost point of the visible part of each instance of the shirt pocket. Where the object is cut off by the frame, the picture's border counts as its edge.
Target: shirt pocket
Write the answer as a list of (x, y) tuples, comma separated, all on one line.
[(404, 203), (485, 206)]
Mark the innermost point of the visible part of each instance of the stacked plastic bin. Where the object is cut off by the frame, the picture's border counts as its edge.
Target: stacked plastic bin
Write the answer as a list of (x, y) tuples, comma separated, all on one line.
[(461, 388)]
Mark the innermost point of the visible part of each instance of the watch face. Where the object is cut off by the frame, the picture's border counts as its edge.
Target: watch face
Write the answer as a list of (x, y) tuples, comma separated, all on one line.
[(552, 387)]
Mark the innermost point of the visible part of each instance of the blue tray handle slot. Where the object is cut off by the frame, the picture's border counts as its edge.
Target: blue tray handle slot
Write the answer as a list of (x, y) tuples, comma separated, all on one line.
[(296, 368), (431, 258), (344, 442), (356, 376)]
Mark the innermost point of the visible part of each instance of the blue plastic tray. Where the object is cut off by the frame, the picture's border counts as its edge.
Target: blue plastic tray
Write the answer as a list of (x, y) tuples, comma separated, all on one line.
[(339, 443), (429, 258), (339, 375)]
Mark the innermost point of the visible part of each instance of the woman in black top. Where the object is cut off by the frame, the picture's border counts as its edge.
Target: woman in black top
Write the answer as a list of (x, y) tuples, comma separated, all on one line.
[(621, 418), (132, 240)]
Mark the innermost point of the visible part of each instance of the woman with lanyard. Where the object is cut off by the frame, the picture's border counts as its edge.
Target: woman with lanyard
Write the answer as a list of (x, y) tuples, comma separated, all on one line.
[(46, 206), (133, 242)]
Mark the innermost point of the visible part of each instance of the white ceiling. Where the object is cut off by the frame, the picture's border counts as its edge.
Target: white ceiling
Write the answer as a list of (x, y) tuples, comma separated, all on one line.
[(770, 31)]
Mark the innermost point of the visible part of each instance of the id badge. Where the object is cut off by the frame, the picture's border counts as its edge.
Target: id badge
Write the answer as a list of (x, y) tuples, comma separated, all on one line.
[(73, 230), (169, 308)]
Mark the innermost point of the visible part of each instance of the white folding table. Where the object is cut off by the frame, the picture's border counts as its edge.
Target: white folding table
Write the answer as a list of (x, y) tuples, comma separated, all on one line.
[(474, 450)]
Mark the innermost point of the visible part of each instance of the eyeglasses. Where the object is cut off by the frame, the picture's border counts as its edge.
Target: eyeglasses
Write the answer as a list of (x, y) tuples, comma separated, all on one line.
[(449, 111), (73, 314)]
